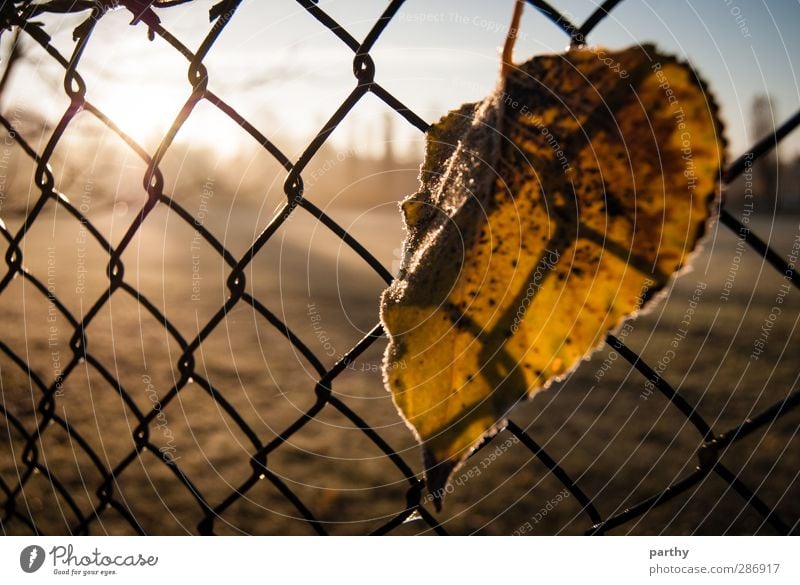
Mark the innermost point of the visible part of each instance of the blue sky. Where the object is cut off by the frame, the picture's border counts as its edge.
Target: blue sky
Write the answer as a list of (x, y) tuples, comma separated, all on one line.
[(287, 73)]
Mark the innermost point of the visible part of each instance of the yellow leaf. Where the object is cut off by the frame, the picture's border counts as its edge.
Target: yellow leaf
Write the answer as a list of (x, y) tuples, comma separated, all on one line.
[(547, 214)]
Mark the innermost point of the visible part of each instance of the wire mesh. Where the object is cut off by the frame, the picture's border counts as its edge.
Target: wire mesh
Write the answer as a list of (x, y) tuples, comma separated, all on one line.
[(16, 516)]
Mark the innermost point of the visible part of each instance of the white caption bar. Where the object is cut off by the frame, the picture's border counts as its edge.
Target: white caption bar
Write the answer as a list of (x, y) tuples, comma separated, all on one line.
[(390, 560)]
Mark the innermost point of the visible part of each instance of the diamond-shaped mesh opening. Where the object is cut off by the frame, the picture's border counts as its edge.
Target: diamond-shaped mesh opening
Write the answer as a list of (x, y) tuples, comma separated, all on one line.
[(262, 509), (157, 495), (317, 285), (98, 417), (99, 174), (195, 433), (362, 471), (172, 265), (236, 359), (134, 350)]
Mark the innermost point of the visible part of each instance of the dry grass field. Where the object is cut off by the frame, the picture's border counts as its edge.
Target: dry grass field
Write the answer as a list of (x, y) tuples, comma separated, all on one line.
[(620, 444)]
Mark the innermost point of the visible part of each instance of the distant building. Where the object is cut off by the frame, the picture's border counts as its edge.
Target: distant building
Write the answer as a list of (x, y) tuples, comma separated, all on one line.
[(774, 184)]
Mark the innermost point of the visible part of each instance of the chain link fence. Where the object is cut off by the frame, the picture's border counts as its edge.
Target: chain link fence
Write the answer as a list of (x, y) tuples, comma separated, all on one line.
[(30, 462)]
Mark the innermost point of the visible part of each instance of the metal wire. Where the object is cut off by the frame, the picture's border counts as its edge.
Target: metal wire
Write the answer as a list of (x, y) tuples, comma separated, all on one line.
[(19, 14)]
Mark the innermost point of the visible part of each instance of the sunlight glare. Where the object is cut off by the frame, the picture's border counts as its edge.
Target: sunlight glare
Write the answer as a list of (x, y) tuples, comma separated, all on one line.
[(147, 121)]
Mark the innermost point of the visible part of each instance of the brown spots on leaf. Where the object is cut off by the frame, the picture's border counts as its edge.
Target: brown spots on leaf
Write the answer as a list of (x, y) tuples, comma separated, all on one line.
[(613, 222)]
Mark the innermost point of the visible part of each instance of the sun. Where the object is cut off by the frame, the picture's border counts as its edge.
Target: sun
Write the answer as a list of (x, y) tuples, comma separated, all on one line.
[(147, 116), (139, 115)]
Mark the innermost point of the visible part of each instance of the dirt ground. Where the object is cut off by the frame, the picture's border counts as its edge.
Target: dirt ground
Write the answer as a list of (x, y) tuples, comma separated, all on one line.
[(619, 442)]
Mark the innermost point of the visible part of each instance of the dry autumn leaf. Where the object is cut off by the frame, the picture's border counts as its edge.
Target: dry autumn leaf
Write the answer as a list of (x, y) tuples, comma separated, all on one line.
[(547, 215)]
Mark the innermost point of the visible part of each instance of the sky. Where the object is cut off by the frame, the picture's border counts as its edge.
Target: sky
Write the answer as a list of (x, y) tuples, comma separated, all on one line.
[(287, 73)]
